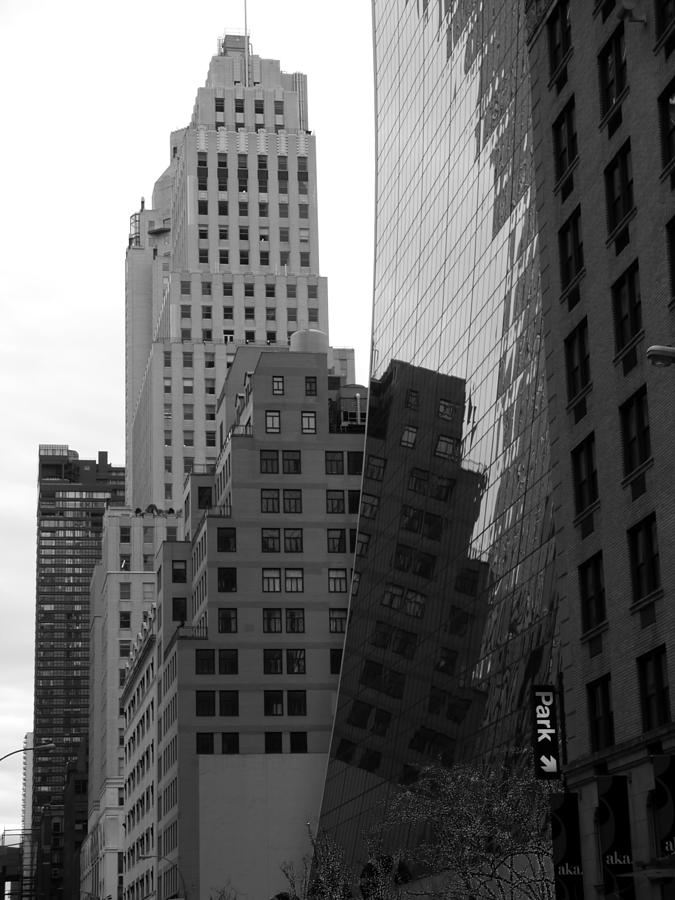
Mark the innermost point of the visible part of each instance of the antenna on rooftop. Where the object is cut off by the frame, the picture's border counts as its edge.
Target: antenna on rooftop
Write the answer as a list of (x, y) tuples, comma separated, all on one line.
[(245, 44)]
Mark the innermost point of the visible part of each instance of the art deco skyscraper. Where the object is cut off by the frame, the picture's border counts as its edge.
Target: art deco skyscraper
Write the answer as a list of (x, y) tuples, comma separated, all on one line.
[(228, 254)]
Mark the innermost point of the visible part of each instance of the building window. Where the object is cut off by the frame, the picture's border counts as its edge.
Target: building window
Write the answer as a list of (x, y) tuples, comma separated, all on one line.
[(274, 703), (298, 741), (271, 580), (125, 620), (271, 621), (203, 210), (228, 661), (179, 571), (295, 621), (375, 466), (335, 501), (228, 290), (227, 580), (269, 500), (227, 620), (667, 116), (354, 462), (600, 716), (592, 592), (337, 581), (619, 187), (179, 609), (291, 462), (205, 703), (334, 462), (272, 421), (571, 249), (273, 742), (369, 505), (228, 703), (335, 660), (205, 662), (584, 473), (654, 693), (203, 253), (277, 384), (635, 430), (269, 462), (308, 422), (185, 289), (293, 540), (269, 540), (222, 207), (559, 34), (577, 359), (204, 742), (226, 540), (292, 501), (295, 662), (613, 75), (336, 538), (310, 386), (296, 703), (294, 581), (627, 305), (644, 557), (272, 662), (337, 620), (448, 447), (230, 742), (409, 436), (565, 139)]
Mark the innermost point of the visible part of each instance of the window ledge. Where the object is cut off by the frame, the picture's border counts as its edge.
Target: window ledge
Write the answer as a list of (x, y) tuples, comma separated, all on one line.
[(581, 274), (556, 73), (668, 31), (595, 631), (585, 390), (647, 600), (637, 471), (633, 342), (614, 107), (668, 169), (588, 511), (620, 225), (566, 174)]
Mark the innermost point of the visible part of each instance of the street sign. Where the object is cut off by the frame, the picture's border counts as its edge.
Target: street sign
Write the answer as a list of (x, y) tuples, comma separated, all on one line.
[(545, 732)]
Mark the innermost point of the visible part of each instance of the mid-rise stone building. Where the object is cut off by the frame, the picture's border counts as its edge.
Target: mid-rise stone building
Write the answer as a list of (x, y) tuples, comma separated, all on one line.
[(603, 102), (246, 646)]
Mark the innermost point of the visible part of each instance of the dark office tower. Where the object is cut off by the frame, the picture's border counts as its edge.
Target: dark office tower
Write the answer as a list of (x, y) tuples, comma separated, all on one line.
[(72, 496), (603, 87), (453, 619)]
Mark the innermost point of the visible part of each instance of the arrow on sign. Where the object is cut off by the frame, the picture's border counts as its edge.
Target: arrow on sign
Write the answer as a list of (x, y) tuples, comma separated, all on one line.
[(548, 763)]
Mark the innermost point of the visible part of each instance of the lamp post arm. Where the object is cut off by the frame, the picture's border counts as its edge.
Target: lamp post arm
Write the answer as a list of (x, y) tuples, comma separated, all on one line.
[(48, 746)]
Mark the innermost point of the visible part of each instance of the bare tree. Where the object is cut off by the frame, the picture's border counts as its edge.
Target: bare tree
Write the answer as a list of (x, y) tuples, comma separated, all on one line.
[(476, 831), (322, 876)]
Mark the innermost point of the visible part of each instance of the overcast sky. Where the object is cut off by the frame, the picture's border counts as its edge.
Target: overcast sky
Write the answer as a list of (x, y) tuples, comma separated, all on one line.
[(90, 93)]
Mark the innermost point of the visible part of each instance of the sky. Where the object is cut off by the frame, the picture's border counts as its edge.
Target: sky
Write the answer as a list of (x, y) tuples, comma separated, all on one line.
[(89, 93)]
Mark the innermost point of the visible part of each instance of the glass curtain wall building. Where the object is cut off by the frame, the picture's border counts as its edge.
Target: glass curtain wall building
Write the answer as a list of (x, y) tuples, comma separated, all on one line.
[(453, 604)]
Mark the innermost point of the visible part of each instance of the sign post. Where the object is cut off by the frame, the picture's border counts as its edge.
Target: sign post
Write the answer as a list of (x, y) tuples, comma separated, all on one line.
[(545, 732)]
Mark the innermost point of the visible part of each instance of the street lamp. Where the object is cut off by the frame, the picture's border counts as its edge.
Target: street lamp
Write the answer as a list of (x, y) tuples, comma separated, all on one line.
[(45, 745), (171, 863), (660, 355)]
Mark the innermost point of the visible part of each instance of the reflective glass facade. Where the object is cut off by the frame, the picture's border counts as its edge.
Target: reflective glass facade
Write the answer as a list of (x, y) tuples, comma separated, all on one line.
[(453, 608)]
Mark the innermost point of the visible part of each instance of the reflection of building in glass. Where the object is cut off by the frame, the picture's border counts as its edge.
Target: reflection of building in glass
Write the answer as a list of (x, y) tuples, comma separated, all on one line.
[(456, 294)]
